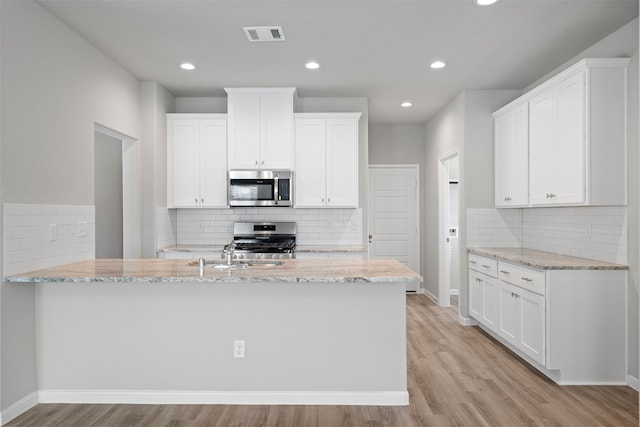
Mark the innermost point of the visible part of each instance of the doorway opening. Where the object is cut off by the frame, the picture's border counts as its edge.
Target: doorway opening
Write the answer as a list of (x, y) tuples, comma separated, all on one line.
[(448, 221), (116, 194)]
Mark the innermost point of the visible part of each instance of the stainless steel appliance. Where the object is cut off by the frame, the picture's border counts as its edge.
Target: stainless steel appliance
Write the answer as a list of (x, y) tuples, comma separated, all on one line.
[(262, 240), (260, 188)]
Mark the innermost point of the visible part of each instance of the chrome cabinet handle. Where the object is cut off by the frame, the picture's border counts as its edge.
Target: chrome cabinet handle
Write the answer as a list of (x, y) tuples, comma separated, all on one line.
[(526, 279), (504, 272), (486, 266), (472, 262), (507, 199)]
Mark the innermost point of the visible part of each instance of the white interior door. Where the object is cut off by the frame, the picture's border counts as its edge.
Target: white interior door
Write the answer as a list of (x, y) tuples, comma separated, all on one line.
[(393, 215)]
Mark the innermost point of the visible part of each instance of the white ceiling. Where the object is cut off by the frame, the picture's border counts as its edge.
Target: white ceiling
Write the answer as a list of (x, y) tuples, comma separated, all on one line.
[(374, 49)]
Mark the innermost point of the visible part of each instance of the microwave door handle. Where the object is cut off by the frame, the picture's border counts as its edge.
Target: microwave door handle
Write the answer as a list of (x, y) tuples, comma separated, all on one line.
[(276, 189)]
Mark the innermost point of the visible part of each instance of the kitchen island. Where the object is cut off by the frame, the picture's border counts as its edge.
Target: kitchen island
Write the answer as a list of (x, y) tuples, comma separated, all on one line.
[(157, 331)]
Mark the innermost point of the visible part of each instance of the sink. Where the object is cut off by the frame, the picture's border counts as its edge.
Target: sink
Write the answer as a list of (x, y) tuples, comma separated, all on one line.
[(241, 263)]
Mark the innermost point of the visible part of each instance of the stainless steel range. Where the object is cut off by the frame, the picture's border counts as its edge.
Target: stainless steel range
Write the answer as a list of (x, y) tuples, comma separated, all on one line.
[(262, 240)]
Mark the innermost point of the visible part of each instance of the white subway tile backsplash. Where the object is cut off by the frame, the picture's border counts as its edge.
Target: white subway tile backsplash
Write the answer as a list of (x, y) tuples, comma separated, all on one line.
[(26, 236), (587, 232), (315, 226), (494, 228)]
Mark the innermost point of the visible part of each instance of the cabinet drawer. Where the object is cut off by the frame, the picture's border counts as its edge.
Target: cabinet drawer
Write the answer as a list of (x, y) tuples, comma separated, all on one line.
[(523, 277), (488, 266)]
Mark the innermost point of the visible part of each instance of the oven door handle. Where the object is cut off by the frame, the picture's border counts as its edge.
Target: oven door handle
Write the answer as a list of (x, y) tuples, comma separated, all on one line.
[(276, 189)]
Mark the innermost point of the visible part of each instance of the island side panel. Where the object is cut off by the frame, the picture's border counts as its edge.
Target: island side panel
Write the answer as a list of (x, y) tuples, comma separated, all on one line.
[(179, 336)]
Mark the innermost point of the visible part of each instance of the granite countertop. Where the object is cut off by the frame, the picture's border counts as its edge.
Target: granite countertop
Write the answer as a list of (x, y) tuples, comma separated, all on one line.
[(545, 260), (172, 270)]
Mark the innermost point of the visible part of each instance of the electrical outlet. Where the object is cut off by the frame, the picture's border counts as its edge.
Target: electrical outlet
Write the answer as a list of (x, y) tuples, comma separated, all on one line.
[(82, 229), (238, 349), (53, 232)]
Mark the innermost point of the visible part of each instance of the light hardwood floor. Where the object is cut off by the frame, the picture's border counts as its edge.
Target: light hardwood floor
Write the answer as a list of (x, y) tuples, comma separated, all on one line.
[(458, 376)]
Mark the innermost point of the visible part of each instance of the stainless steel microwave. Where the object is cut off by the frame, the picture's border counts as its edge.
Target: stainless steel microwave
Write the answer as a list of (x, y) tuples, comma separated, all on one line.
[(260, 188)]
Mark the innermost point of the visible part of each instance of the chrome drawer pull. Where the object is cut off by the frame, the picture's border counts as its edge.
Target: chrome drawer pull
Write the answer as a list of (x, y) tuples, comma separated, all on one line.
[(486, 266), (472, 262), (526, 279), (504, 272)]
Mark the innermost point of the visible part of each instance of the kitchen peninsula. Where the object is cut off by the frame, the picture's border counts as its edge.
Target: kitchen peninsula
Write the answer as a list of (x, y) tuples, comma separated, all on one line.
[(157, 331)]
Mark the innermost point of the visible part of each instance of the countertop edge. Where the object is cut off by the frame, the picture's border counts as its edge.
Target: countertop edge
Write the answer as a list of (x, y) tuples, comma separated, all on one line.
[(522, 260), (319, 280)]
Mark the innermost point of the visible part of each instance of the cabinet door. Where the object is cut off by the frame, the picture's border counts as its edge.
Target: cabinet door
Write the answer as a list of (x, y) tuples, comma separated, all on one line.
[(310, 163), (342, 163), (475, 295), (508, 313), (557, 144), (184, 168), (213, 163), (569, 125), (276, 110), (532, 319), (542, 156), (490, 303), (244, 131), (512, 157)]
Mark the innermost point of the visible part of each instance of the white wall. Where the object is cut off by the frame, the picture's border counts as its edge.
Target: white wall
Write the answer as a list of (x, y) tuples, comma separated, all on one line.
[(444, 134), (156, 103), (55, 86)]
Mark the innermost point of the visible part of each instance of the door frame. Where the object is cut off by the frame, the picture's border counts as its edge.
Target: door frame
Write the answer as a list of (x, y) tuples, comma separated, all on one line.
[(416, 168), (444, 273), (131, 191)]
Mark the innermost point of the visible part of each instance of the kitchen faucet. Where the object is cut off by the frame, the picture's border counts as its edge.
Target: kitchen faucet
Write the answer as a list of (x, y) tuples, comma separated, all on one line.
[(228, 252)]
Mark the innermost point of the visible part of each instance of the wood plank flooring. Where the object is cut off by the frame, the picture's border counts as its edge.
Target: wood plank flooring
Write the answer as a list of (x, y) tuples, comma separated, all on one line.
[(458, 376)]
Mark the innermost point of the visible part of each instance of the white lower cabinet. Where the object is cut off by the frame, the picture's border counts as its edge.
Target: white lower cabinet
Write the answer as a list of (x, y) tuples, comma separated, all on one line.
[(568, 323), (521, 320), (483, 291)]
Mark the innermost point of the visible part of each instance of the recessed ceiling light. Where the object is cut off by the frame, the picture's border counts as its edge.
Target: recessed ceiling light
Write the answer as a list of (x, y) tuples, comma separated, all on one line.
[(485, 2), (406, 104), (312, 65), (187, 66), (438, 64)]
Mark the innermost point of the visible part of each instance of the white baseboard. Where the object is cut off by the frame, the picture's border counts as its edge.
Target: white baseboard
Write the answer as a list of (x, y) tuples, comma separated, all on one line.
[(429, 295), (19, 408), (633, 382), (467, 321), (373, 398)]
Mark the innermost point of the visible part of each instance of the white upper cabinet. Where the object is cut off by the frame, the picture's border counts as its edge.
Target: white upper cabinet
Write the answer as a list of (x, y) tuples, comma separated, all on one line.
[(326, 159), (260, 128), (558, 143), (577, 140), (196, 160), (512, 156)]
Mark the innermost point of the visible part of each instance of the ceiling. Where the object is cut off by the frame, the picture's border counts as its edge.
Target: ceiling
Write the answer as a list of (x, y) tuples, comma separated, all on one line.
[(375, 49)]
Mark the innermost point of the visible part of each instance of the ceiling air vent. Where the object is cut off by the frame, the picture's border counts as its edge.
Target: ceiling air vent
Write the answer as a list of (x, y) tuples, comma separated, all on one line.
[(264, 34)]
